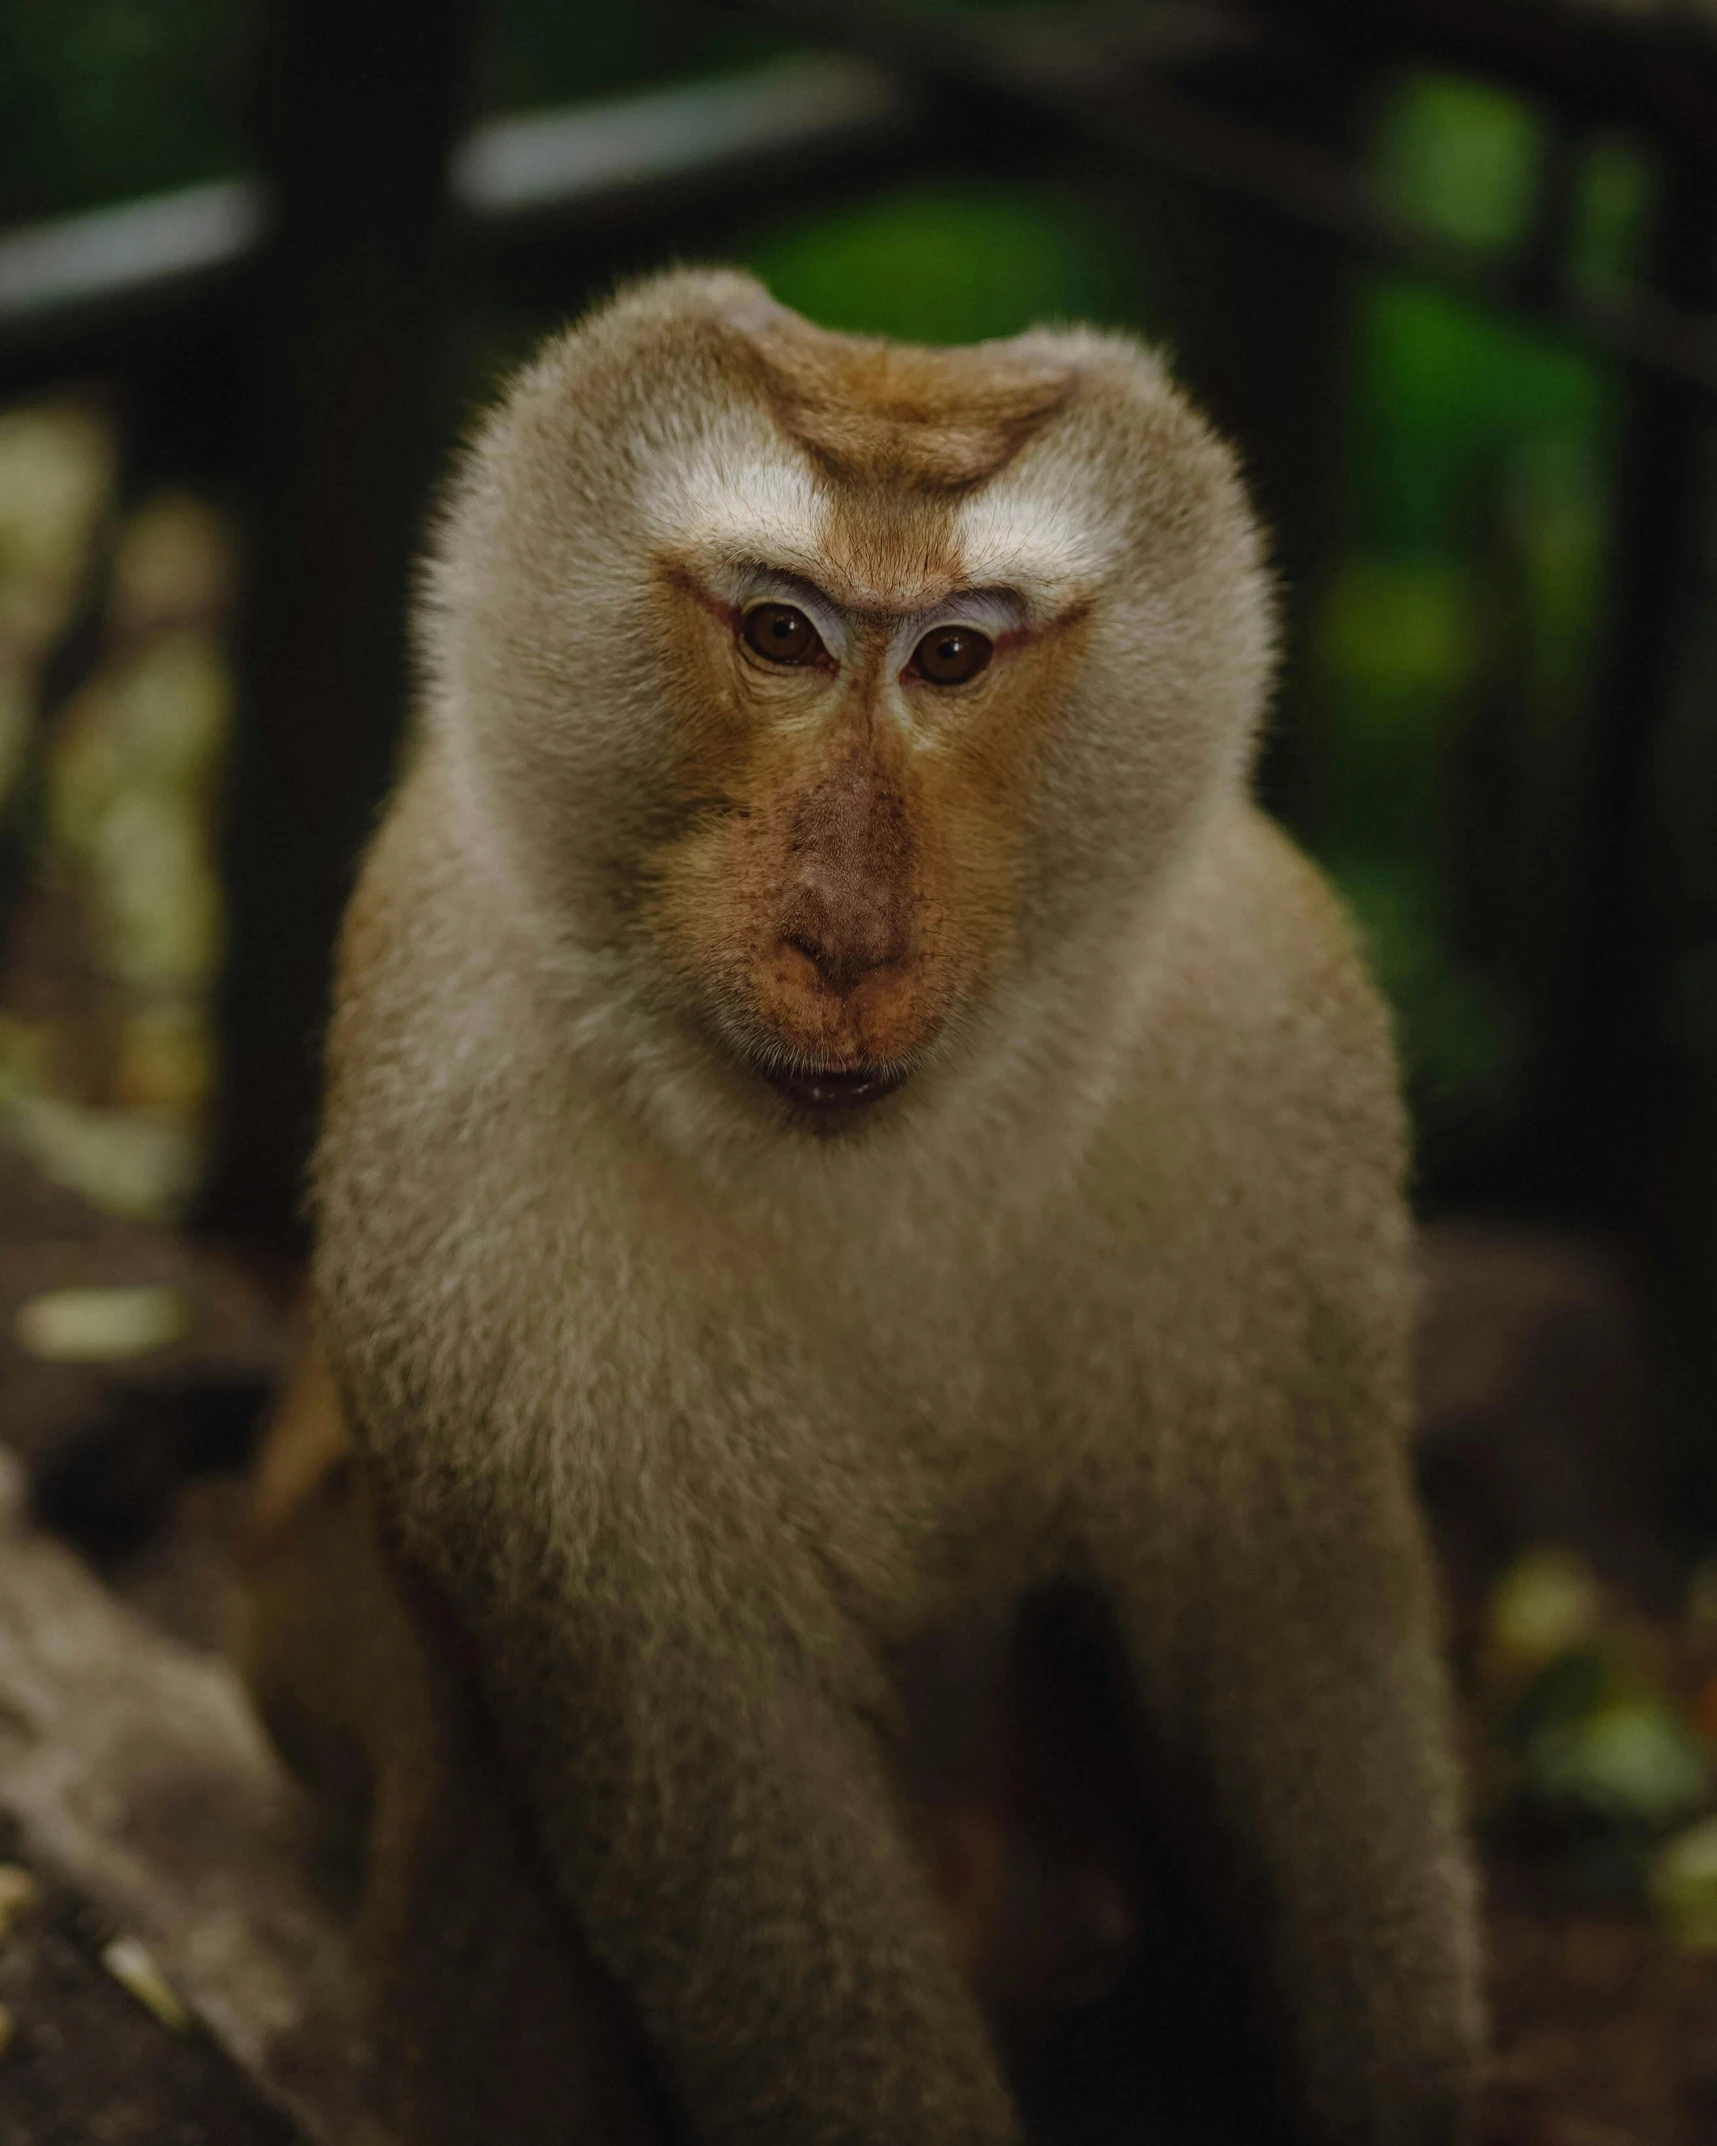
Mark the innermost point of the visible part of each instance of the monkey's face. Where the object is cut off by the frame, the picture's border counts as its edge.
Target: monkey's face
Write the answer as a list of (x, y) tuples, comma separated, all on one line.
[(851, 789), (827, 684)]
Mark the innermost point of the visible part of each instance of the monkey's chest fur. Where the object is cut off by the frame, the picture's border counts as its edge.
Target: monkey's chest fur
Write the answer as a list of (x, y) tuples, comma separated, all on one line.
[(878, 1472)]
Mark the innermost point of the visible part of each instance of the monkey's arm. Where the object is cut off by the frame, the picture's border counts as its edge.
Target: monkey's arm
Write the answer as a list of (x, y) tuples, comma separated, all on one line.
[(721, 1823), (1314, 1757), (487, 2021), (1285, 1631)]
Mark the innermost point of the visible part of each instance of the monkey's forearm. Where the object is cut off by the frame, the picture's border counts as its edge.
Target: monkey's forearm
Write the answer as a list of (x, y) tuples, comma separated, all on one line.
[(1373, 1903), (725, 1834), (1323, 1774)]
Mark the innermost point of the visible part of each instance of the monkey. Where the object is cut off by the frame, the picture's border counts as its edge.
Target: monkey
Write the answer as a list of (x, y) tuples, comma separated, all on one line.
[(845, 1124)]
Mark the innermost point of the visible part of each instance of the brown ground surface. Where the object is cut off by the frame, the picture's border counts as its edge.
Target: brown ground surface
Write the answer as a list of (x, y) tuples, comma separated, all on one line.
[(1605, 2036), (88, 2065)]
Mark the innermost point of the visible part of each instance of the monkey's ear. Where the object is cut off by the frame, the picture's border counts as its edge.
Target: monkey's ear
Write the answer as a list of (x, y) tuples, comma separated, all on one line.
[(874, 411)]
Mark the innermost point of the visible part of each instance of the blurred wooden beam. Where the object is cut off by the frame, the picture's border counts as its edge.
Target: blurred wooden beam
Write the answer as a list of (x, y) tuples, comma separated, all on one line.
[(1648, 68), (628, 174), (363, 105), (1603, 1111), (77, 293), (55, 276)]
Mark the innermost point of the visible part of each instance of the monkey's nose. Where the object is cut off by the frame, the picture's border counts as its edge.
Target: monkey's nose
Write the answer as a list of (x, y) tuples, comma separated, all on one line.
[(845, 932)]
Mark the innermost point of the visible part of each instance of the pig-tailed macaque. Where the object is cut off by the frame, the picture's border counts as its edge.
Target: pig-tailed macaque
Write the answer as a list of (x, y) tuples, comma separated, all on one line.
[(851, 1500)]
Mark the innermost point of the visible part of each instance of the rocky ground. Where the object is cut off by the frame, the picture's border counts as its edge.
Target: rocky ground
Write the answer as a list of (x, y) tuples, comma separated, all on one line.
[(88, 2060), (170, 1964)]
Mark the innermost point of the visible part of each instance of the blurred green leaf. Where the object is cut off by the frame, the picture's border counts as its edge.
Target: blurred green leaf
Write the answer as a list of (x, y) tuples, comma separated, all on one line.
[(1612, 207), (1548, 1602), (1683, 1887), (946, 264), (1633, 1762), (1460, 156)]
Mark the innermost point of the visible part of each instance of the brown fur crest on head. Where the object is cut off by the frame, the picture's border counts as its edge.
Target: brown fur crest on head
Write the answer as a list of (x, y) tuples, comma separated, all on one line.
[(874, 412)]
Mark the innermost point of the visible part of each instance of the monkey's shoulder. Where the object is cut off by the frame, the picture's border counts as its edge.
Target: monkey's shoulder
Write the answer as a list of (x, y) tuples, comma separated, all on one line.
[(1261, 1090), (1242, 1221), (1260, 1001)]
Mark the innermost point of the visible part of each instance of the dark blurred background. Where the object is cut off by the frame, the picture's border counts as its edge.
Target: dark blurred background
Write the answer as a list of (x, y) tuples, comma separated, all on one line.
[(1447, 270)]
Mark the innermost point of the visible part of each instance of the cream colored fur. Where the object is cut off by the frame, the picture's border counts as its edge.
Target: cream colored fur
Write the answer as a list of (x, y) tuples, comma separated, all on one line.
[(695, 1417)]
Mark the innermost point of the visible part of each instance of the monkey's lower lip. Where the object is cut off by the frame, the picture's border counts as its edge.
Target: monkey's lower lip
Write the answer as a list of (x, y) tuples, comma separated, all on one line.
[(833, 1088)]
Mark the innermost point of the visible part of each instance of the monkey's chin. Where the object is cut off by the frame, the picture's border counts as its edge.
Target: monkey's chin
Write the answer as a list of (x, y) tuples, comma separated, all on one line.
[(833, 1092)]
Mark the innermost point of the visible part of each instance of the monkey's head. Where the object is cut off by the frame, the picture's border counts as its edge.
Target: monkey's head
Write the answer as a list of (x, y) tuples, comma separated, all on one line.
[(823, 695)]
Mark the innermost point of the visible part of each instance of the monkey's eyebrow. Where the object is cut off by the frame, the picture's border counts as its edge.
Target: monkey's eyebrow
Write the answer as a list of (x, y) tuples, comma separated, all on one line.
[(972, 603), (786, 581), (1005, 612), (794, 582), (1008, 615), (727, 589)]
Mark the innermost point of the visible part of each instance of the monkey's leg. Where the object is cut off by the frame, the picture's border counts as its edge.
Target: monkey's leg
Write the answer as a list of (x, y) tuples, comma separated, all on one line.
[(726, 1829), (490, 2022), (1303, 1716)]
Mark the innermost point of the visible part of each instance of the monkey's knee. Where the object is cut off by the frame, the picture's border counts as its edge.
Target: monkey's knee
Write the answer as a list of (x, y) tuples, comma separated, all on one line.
[(489, 2021), (319, 1633)]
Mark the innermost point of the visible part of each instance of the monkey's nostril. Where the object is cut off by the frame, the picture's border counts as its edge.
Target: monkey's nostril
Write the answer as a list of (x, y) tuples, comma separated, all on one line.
[(842, 958)]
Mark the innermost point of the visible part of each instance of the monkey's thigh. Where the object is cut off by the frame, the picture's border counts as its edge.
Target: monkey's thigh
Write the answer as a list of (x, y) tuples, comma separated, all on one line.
[(490, 2021)]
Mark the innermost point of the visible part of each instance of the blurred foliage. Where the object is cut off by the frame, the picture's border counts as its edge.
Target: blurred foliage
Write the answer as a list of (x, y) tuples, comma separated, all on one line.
[(1460, 618), (1612, 202), (56, 470), (1598, 1735), (105, 98), (1459, 157), (546, 52), (950, 263), (106, 1055), (1458, 630), (100, 99), (1454, 633)]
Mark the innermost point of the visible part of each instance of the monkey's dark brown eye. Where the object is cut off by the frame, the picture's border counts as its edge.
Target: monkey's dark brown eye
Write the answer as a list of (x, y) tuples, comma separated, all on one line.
[(781, 633), (951, 655)]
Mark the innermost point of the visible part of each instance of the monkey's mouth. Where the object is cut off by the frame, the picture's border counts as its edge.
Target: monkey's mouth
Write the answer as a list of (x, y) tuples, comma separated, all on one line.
[(832, 1090)]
